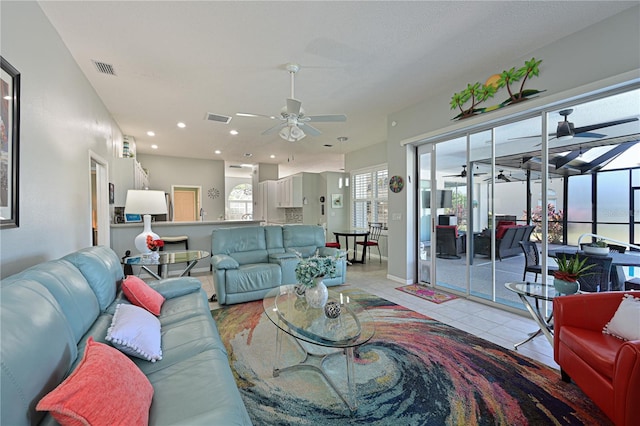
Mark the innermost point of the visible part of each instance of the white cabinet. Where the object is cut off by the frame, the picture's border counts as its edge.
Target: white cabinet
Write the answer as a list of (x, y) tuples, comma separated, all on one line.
[(289, 191), (266, 208), (125, 174)]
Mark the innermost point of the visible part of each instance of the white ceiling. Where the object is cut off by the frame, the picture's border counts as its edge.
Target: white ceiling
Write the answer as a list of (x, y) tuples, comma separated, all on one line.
[(177, 61)]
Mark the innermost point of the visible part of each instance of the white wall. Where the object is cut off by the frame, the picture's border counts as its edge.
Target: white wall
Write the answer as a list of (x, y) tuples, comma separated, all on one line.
[(604, 50), (61, 120), (167, 171)]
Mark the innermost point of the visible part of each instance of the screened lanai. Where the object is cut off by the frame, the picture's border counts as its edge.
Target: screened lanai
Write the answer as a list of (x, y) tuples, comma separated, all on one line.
[(583, 176)]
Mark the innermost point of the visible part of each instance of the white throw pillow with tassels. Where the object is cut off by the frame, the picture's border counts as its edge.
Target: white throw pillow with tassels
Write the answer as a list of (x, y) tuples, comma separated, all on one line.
[(625, 323), (136, 332)]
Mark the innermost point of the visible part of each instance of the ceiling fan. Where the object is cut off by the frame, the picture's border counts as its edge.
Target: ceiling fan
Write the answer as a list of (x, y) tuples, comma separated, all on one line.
[(566, 129), (501, 176), (293, 121), (463, 173)]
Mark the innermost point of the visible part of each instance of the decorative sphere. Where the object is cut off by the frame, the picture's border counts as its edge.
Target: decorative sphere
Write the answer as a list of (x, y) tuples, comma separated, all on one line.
[(332, 310)]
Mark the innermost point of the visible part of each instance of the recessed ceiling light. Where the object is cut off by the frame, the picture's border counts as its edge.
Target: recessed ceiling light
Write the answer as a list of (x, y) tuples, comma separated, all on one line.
[(8, 98), (151, 133), (217, 151), (182, 125), (246, 165), (248, 154), (272, 156), (342, 138), (154, 146), (234, 132)]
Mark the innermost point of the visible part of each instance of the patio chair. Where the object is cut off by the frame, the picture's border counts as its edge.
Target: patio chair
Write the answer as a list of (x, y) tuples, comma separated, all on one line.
[(617, 273), (447, 242), (597, 278), (532, 260), (375, 229)]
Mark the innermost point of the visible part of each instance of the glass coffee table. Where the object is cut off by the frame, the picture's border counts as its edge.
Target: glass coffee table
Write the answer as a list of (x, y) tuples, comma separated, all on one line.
[(320, 337), (539, 292), (166, 258)]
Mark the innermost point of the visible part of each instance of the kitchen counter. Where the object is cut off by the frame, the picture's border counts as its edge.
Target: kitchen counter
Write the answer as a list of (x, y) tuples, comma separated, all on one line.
[(199, 233)]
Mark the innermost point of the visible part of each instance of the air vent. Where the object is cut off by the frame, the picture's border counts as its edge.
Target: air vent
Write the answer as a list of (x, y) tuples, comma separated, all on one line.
[(104, 68), (219, 118)]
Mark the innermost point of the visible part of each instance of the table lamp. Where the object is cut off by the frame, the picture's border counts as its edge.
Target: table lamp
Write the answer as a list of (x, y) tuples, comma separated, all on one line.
[(146, 203)]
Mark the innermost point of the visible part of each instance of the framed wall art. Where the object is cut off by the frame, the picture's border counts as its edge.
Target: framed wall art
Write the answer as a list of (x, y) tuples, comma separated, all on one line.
[(336, 201), (10, 144)]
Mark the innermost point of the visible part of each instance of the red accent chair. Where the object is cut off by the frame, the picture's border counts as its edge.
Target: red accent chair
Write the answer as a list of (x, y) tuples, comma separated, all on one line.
[(606, 368)]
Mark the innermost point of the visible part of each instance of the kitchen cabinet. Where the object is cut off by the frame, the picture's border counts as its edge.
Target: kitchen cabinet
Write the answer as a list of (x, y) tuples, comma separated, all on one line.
[(265, 205), (125, 174), (289, 191)]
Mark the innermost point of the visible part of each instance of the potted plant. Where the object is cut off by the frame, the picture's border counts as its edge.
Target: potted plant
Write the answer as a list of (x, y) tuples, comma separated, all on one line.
[(569, 270), (599, 247), (309, 274)]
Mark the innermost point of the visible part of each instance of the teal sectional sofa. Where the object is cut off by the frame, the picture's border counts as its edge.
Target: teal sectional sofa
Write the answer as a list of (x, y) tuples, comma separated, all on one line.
[(49, 312), (249, 261)]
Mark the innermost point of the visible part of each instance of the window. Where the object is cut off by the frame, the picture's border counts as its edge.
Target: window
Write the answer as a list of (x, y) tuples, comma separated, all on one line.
[(370, 194), (241, 202)]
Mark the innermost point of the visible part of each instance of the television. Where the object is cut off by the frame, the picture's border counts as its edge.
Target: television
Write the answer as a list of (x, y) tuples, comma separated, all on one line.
[(444, 199)]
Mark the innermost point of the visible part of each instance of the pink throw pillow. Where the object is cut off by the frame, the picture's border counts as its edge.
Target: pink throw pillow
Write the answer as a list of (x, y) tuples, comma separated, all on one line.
[(140, 294), (106, 388)]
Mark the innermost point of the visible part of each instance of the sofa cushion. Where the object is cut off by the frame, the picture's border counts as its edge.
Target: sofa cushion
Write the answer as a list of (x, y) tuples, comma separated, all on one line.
[(71, 290), (502, 229), (253, 277), (105, 388), (36, 350), (454, 227), (135, 332), (102, 270), (141, 294), (304, 239), (625, 323), (595, 348)]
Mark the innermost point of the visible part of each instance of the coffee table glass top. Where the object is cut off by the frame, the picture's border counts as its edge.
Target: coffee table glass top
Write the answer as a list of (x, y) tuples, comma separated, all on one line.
[(167, 257), (535, 290), (292, 314)]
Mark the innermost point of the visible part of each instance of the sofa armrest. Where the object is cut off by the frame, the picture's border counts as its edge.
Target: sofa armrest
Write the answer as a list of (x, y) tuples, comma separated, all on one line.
[(223, 261), (331, 252), (626, 384), (176, 287), (281, 257)]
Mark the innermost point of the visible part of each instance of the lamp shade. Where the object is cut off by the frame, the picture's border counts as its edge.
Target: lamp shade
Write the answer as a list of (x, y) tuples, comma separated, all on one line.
[(145, 202)]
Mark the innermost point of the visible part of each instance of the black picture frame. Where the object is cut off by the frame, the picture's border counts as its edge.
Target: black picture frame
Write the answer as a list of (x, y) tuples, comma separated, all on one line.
[(112, 193), (10, 145)]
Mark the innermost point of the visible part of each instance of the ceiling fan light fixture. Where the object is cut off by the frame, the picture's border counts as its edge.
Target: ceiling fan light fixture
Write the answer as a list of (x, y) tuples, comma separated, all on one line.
[(291, 133)]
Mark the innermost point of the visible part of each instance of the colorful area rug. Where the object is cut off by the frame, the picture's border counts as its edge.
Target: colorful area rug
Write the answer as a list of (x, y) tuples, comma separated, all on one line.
[(415, 371), (427, 293)]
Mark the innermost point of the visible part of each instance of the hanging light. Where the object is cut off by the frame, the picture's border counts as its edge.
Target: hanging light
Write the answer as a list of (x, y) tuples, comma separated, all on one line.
[(291, 133)]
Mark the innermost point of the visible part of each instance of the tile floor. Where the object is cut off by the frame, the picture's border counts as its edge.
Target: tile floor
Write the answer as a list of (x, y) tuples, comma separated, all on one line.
[(498, 326)]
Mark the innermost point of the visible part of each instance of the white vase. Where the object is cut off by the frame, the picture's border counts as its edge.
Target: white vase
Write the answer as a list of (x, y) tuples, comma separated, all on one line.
[(141, 240), (318, 294)]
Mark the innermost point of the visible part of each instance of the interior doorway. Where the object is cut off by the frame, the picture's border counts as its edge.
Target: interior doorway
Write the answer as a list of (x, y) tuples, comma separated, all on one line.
[(99, 196), (186, 203)]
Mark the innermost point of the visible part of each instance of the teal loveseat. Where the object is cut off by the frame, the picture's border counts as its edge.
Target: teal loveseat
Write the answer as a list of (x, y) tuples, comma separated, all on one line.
[(48, 313), (249, 261)]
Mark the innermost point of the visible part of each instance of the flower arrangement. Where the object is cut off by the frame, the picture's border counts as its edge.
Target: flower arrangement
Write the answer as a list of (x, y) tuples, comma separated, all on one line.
[(313, 267), (571, 269), (154, 245)]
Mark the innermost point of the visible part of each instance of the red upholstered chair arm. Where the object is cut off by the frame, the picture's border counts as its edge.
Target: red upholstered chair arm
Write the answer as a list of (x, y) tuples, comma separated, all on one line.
[(626, 384), (588, 311)]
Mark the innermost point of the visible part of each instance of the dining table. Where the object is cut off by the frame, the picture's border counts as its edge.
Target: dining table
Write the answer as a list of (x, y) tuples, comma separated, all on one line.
[(631, 259), (355, 234)]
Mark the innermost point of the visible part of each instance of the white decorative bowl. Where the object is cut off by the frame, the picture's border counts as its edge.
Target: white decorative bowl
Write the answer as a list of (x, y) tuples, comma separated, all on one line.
[(598, 251)]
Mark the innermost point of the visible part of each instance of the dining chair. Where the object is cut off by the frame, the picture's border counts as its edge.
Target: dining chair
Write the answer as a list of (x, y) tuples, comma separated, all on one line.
[(375, 229), (532, 260), (597, 278), (617, 272)]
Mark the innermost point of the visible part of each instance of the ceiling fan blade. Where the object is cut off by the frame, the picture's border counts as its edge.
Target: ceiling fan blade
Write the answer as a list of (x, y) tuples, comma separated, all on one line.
[(326, 118), (584, 129), (248, 114), (274, 129), (310, 129), (293, 106)]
